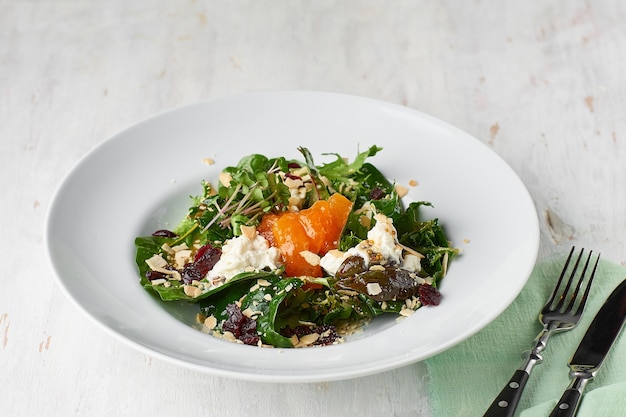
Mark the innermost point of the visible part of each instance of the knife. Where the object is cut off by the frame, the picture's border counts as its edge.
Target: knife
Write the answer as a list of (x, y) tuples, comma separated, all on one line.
[(593, 348)]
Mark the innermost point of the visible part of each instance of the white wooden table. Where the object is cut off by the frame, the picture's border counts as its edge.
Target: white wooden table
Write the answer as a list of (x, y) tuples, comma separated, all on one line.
[(540, 82)]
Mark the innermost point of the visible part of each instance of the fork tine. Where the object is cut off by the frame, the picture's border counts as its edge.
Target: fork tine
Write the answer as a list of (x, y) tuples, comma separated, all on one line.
[(555, 291), (580, 281), (564, 293), (581, 306)]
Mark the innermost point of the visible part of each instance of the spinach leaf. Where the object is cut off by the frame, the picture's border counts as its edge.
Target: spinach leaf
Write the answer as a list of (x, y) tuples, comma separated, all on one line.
[(427, 237), (266, 300)]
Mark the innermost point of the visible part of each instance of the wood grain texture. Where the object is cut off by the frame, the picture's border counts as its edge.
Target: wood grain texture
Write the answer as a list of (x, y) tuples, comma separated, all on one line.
[(539, 82)]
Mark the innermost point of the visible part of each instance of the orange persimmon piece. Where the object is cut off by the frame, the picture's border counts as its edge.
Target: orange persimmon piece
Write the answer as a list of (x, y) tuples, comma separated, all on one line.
[(265, 228), (340, 209), (316, 229), (318, 224), (291, 239)]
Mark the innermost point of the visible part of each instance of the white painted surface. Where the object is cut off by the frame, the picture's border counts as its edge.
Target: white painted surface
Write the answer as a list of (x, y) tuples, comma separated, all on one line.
[(540, 82)]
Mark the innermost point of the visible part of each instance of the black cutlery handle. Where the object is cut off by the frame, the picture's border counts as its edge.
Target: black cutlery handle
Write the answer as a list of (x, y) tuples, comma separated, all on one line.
[(506, 402), (568, 404)]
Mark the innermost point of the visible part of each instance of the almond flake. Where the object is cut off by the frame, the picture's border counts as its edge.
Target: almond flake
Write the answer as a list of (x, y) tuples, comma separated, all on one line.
[(248, 231), (401, 190), (192, 291), (373, 288), (310, 257), (225, 178), (406, 312), (210, 322), (307, 340)]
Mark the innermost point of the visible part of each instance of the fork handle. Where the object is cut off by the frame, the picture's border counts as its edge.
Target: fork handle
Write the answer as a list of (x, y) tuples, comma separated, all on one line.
[(506, 402)]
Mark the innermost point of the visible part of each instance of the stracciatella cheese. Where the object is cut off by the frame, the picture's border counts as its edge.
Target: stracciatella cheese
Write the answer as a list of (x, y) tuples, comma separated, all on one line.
[(245, 254), (380, 247)]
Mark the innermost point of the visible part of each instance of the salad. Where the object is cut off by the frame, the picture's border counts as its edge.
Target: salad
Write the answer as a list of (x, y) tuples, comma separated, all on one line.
[(287, 253)]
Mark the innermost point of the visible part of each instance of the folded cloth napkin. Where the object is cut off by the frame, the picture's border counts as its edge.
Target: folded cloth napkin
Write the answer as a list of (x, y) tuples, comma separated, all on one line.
[(464, 380)]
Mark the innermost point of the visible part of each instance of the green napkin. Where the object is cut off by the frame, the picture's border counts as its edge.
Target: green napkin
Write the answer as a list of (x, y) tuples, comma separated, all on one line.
[(464, 380)]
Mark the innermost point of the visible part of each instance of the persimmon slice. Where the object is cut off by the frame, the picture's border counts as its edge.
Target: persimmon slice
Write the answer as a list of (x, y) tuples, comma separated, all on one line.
[(314, 230)]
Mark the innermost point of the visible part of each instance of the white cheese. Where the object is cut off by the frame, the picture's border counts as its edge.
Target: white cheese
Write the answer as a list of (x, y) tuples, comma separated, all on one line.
[(333, 260), (380, 247), (243, 254), (384, 238)]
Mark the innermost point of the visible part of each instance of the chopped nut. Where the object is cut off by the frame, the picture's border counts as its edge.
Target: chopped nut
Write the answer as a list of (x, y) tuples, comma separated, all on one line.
[(406, 312), (263, 282), (192, 291), (401, 190), (225, 179), (413, 183), (310, 257), (293, 182), (307, 340), (181, 257), (210, 322), (373, 288), (182, 246), (230, 337), (248, 231), (156, 262), (411, 251), (167, 248), (208, 161)]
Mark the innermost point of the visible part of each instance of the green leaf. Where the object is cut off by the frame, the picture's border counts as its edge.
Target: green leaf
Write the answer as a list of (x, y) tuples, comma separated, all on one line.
[(267, 300)]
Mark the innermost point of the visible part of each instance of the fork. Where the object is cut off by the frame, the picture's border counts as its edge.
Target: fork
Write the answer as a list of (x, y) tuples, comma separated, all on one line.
[(555, 317)]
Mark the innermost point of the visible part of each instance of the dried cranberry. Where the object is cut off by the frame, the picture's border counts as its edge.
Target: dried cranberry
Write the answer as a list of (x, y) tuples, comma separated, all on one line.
[(164, 233), (429, 295), (242, 327), (377, 193), (206, 258), (190, 273), (294, 165), (152, 275), (292, 176)]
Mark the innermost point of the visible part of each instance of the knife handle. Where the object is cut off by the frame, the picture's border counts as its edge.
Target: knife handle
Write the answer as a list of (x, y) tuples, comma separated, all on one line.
[(506, 402), (568, 403), (570, 400)]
